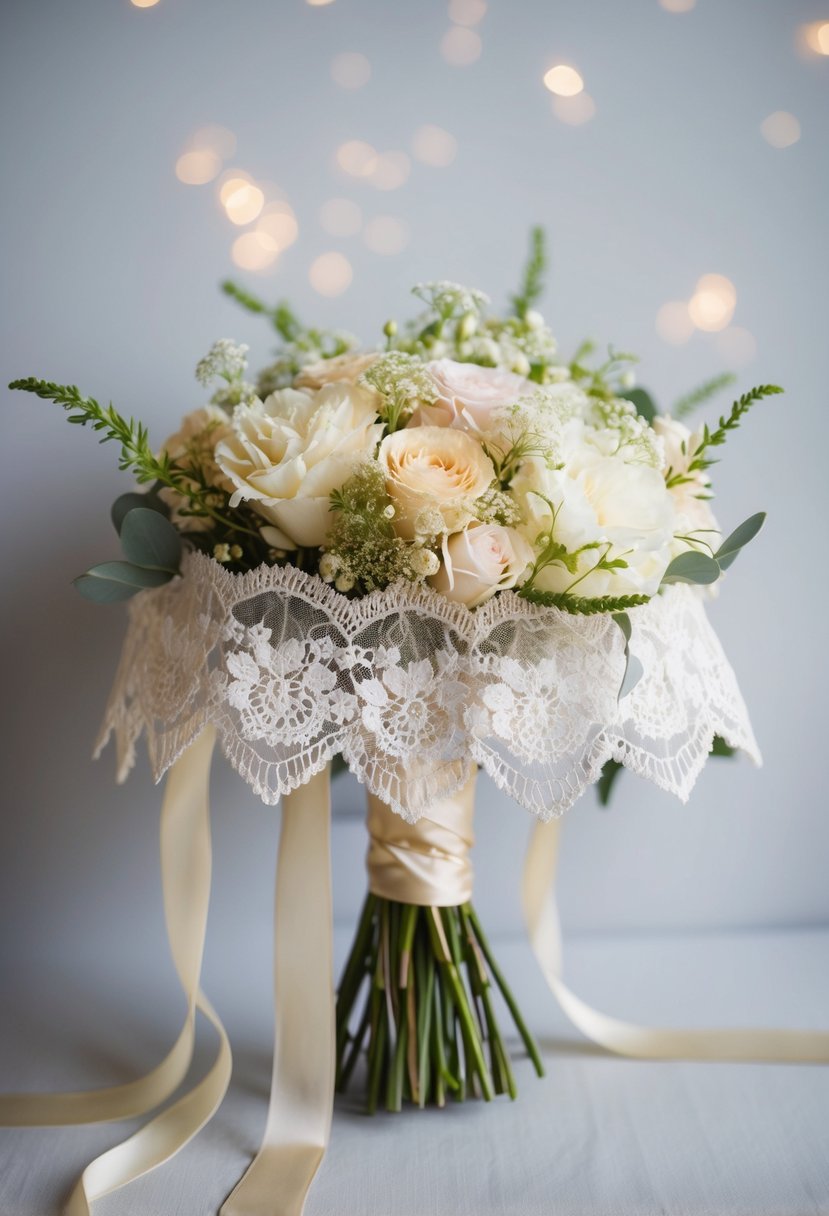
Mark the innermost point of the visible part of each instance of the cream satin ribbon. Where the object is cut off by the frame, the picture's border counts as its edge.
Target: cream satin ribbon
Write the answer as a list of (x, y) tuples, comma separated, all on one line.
[(425, 863), (302, 1086), (303, 1075), (626, 1038)]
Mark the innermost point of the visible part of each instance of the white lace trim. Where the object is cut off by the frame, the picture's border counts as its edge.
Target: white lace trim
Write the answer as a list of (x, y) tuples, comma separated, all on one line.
[(413, 689)]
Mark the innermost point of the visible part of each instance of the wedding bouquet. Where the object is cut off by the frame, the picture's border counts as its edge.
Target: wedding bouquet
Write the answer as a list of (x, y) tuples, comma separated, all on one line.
[(448, 551)]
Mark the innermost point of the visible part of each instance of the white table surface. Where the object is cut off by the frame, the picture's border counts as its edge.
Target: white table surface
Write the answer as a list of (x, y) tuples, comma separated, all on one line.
[(598, 1135)]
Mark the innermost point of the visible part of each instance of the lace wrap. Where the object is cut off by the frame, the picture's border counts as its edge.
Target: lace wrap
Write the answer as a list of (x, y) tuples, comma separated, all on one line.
[(414, 690)]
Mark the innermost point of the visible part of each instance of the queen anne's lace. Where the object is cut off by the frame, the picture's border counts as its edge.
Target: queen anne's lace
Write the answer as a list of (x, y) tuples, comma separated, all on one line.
[(413, 689)]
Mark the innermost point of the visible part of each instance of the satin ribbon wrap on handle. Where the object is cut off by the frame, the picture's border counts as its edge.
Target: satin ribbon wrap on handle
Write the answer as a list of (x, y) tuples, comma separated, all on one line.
[(425, 863)]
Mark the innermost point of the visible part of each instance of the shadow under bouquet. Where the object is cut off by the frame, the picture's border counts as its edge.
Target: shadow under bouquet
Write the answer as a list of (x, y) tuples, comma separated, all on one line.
[(449, 552)]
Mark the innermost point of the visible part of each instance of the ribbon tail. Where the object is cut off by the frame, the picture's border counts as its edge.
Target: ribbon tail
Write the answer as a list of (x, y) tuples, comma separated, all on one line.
[(185, 867), (302, 1085), (627, 1038)]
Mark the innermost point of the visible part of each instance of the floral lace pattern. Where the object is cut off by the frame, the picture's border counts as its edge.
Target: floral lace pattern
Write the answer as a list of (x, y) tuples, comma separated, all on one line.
[(412, 689)]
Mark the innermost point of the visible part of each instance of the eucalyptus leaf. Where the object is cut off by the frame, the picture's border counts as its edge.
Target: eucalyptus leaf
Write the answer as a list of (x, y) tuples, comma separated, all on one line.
[(148, 539), (692, 567), (644, 403), (633, 667), (739, 538), (132, 501), (113, 581)]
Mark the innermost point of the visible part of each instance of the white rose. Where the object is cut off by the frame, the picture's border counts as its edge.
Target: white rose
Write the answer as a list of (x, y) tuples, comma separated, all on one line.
[(481, 560), (194, 443), (435, 472), (601, 501), (285, 455), (692, 494), (468, 395), (347, 368)]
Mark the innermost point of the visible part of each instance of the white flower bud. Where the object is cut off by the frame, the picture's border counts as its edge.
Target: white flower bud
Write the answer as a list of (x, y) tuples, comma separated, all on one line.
[(628, 378), (329, 567), (344, 582), (533, 319), (467, 326), (221, 553)]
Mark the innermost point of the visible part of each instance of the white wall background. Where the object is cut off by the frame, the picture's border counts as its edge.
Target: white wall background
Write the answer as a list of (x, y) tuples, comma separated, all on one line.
[(110, 273)]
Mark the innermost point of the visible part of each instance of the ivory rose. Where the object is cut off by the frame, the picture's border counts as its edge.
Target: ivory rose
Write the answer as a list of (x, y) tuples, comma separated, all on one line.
[(285, 455), (692, 497), (433, 475), (194, 443), (348, 368), (468, 395), (481, 560), (604, 502)]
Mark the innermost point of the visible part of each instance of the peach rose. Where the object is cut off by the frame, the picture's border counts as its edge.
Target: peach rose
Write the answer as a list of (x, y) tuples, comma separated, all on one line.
[(347, 367), (433, 475), (481, 560)]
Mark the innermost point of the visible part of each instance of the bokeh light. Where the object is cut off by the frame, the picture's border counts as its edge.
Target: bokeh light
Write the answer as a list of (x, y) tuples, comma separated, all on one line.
[(563, 80), (467, 12), (673, 322), (712, 305), (241, 199), (678, 6), (386, 234), (357, 158), (574, 110), (319, 3), (341, 217), (144, 3), (815, 37), (251, 252), (780, 129), (277, 226), (737, 346), (198, 167), (350, 70), (461, 46), (330, 274), (433, 146), (391, 171)]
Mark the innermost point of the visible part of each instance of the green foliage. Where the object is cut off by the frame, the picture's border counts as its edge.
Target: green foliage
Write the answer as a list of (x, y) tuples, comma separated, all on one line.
[(152, 547), (532, 279), (644, 402), (149, 540), (128, 502), (702, 393), (112, 581), (136, 453), (699, 568), (582, 606), (727, 423), (605, 784), (282, 317), (739, 538), (633, 667), (692, 567)]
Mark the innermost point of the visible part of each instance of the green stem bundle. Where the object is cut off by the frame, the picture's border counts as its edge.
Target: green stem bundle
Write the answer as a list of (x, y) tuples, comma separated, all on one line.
[(416, 994)]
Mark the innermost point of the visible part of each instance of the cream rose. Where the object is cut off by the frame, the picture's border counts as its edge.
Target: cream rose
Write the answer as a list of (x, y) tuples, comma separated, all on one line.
[(691, 497), (194, 443), (481, 560), (285, 455), (345, 368), (469, 396), (433, 475), (599, 501)]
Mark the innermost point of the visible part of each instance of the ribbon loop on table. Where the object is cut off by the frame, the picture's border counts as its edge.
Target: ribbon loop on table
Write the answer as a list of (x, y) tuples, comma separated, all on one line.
[(425, 863), (626, 1038)]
